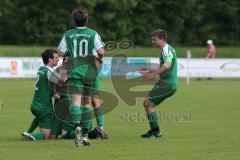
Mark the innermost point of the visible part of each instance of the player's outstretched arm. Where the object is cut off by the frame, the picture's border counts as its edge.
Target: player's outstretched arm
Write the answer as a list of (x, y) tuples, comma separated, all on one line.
[(164, 68), (152, 74)]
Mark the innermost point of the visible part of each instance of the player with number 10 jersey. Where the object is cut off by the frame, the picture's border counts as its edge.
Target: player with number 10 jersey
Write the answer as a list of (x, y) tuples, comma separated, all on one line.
[(80, 44)]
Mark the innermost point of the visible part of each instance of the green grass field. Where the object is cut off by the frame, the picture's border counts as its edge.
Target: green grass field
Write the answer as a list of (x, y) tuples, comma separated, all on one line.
[(211, 132), (197, 52)]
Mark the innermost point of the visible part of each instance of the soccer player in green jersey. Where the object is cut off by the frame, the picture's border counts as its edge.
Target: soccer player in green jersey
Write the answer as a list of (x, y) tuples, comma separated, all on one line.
[(82, 45), (41, 106), (99, 114), (167, 83)]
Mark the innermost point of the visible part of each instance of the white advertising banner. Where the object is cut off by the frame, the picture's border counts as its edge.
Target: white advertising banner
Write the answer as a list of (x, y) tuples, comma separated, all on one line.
[(226, 68), (19, 67), (26, 67)]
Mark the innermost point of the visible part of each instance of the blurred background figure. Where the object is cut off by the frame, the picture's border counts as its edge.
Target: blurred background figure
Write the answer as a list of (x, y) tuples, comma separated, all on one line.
[(211, 51)]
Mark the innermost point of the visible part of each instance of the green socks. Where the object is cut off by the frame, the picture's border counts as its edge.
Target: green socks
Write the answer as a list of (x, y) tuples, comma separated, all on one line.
[(153, 120), (33, 125), (38, 136), (86, 120), (99, 116), (76, 113)]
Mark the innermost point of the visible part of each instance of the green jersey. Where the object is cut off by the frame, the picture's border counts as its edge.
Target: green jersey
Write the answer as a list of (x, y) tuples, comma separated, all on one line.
[(80, 49), (42, 100), (168, 54)]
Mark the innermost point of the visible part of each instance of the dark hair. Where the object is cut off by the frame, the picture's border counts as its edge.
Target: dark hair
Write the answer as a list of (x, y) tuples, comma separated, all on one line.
[(48, 53), (160, 33), (72, 25), (80, 16)]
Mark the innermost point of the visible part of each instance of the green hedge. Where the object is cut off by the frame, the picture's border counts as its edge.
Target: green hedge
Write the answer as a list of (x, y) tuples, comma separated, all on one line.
[(188, 22)]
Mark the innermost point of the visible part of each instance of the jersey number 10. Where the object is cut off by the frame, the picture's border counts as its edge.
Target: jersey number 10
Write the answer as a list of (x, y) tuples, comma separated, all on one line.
[(81, 48)]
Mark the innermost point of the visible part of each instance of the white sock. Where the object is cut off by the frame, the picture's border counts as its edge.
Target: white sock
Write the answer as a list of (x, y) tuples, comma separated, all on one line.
[(101, 127)]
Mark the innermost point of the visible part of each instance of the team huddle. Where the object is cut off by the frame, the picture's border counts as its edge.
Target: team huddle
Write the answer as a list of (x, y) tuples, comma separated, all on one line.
[(75, 86)]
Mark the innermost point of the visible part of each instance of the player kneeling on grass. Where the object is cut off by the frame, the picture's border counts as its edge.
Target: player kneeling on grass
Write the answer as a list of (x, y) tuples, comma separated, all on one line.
[(167, 83), (41, 106)]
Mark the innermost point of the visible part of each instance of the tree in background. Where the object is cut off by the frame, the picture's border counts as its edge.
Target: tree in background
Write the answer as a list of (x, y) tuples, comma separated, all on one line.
[(188, 22)]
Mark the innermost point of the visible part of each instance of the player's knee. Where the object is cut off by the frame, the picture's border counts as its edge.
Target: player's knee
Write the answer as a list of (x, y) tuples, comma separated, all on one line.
[(95, 103), (76, 100), (87, 100), (46, 133), (146, 103)]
